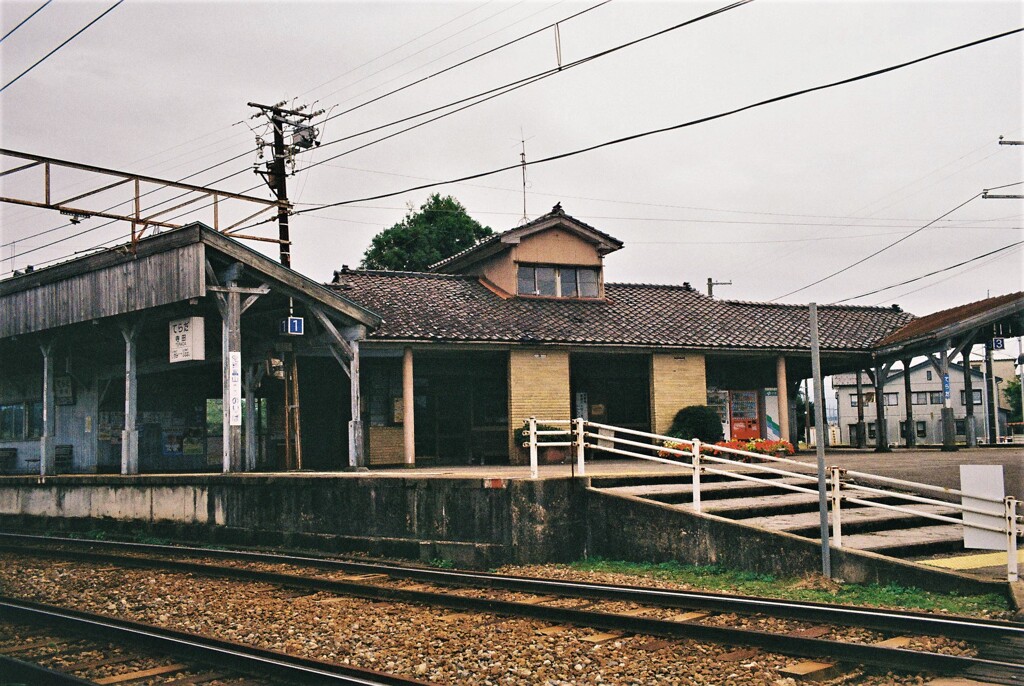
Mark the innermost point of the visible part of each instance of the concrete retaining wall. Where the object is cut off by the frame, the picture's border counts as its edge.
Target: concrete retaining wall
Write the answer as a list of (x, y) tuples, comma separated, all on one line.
[(627, 528), (477, 523), (473, 522)]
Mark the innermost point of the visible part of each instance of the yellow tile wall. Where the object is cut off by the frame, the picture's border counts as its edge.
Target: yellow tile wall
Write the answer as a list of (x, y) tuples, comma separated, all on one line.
[(677, 380), (538, 385), (386, 443)]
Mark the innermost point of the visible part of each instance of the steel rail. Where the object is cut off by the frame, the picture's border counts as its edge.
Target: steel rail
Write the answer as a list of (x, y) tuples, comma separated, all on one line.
[(19, 671), (949, 626), (244, 658), (893, 658)]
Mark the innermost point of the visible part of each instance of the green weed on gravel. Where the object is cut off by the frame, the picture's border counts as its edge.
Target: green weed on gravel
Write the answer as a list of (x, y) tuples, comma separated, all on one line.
[(811, 589)]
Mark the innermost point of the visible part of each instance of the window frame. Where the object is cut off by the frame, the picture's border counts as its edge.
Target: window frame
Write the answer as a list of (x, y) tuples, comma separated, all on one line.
[(893, 397), (976, 392), (561, 284), (26, 422)]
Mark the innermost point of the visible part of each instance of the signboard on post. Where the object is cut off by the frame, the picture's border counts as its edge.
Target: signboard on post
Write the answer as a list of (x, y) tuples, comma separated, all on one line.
[(998, 344), (187, 339), (235, 389), (945, 386)]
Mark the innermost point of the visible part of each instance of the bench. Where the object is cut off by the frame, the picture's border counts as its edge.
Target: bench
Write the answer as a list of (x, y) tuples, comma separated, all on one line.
[(62, 459), (8, 459)]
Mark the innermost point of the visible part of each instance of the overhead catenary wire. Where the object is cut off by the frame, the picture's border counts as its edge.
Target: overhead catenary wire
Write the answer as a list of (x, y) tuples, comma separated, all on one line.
[(675, 127), (877, 252), (23, 21), (492, 93), (421, 80), (931, 273), (68, 40)]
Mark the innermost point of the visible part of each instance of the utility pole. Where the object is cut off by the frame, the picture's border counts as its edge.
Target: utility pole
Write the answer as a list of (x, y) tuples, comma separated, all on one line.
[(304, 136), (712, 283)]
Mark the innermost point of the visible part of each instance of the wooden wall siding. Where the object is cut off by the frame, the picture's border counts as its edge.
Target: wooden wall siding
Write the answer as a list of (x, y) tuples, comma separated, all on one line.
[(130, 286)]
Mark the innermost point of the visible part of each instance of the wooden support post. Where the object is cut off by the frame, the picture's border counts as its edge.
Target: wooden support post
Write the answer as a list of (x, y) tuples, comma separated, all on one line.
[(231, 380), (783, 390), (356, 454), (253, 375), (881, 432), (970, 430), (911, 438), (993, 396), (408, 410), (862, 436), (948, 423), (130, 434), (48, 439)]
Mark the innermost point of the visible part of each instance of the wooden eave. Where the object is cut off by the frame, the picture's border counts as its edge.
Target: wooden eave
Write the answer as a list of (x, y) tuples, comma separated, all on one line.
[(927, 342), (283, 279)]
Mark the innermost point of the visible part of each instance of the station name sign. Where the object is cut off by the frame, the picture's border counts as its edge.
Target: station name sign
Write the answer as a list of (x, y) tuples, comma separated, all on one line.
[(187, 339)]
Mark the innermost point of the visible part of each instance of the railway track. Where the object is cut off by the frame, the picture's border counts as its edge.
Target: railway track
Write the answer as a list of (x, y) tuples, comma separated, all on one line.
[(54, 650), (999, 656)]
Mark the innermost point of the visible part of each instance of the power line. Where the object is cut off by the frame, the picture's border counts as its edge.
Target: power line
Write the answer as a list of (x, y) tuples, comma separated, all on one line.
[(674, 127), (951, 276), (73, 36), (933, 273), (490, 94), (468, 60), (877, 252), (663, 205), (38, 9)]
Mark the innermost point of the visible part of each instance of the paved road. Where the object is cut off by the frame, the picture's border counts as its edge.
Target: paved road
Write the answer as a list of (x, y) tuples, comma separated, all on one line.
[(931, 466)]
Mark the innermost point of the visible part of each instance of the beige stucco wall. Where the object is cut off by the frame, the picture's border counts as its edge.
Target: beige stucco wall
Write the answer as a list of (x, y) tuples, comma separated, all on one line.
[(538, 385), (554, 246), (386, 445), (677, 380)]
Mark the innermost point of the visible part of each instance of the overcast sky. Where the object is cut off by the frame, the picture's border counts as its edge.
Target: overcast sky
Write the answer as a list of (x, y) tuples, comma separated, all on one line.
[(771, 199)]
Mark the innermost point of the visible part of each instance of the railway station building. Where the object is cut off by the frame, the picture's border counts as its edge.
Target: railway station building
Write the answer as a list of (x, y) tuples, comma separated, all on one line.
[(121, 361)]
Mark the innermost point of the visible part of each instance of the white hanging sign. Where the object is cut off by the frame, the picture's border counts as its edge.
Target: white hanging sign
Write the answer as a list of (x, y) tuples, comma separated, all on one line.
[(187, 339), (235, 389)]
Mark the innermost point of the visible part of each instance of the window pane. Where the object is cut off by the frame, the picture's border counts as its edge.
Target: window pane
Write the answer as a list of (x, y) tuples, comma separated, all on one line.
[(936, 397), (546, 281), (922, 430), (587, 283), (527, 284), (35, 419), (9, 419), (568, 276)]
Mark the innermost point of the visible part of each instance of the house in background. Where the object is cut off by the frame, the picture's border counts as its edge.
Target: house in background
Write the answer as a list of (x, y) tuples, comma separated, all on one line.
[(927, 399)]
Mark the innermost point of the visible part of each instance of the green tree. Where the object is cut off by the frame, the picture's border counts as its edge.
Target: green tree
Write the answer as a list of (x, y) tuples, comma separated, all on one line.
[(439, 229), (1012, 393)]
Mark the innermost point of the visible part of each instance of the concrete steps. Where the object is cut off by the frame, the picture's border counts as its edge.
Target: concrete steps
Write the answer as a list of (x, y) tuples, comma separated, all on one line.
[(772, 507)]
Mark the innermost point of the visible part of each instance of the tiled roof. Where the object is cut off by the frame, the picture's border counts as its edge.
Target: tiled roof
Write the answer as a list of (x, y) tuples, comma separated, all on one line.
[(944, 318), (442, 307)]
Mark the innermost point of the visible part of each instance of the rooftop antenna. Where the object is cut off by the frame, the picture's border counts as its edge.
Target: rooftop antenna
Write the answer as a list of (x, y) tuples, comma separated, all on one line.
[(522, 164)]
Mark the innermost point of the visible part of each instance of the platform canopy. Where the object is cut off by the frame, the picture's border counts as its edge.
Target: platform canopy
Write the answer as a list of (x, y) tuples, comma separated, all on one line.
[(975, 323)]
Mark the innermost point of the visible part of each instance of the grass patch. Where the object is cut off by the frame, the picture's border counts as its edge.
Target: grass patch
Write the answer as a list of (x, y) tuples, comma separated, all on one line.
[(714, 578)]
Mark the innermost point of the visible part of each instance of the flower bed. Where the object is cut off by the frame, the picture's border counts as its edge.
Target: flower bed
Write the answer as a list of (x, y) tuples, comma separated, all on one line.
[(757, 445)]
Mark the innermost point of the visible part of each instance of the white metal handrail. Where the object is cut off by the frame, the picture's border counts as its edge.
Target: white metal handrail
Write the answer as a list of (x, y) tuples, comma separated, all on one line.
[(841, 488)]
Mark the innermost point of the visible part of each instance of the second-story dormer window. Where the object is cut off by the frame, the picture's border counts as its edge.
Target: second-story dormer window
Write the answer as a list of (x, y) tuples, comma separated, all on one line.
[(558, 281)]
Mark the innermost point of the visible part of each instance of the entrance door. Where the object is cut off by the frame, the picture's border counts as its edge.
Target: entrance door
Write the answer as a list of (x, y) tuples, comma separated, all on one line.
[(745, 422)]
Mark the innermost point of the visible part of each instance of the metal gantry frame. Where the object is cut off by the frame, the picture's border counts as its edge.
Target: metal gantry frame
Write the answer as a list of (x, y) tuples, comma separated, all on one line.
[(139, 222)]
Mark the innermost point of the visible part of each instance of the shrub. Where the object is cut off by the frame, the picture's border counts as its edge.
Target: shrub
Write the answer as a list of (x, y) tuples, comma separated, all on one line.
[(697, 421)]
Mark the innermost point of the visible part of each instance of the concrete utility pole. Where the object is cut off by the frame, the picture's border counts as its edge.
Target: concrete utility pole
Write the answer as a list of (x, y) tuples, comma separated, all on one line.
[(993, 397), (819, 421)]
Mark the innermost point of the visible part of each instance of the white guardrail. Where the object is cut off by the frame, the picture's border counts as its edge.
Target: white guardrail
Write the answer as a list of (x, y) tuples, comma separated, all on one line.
[(581, 435)]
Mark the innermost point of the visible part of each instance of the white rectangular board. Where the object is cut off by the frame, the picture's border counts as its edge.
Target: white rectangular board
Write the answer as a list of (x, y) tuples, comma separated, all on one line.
[(982, 480)]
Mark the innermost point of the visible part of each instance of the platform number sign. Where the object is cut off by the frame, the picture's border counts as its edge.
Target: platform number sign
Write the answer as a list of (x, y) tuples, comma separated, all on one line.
[(998, 344), (293, 326)]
